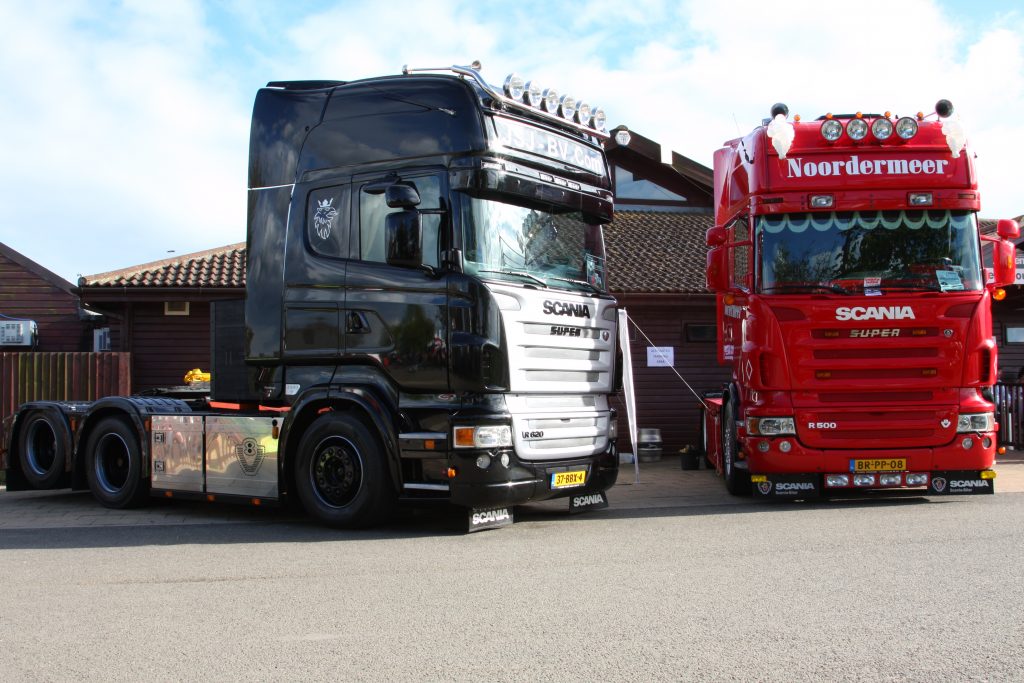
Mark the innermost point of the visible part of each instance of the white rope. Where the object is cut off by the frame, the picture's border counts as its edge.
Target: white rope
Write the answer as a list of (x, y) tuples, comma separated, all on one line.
[(661, 354)]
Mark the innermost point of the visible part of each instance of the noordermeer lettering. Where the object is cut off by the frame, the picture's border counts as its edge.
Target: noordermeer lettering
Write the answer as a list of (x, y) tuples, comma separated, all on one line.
[(854, 165)]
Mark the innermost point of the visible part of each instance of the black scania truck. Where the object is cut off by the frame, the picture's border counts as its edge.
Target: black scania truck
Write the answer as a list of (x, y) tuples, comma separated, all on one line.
[(426, 317)]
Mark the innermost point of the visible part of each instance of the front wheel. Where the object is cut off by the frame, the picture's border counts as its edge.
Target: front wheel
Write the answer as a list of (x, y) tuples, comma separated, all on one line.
[(113, 460), (737, 481), (341, 476)]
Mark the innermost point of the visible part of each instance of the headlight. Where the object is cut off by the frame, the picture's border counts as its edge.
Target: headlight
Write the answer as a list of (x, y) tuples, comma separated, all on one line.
[(490, 436), (534, 95), (583, 113), (550, 101), (514, 87), (857, 129), (567, 107), (770, 426), (906, 127), (598, 120), (881, 129), (976, 422), (831, 130)]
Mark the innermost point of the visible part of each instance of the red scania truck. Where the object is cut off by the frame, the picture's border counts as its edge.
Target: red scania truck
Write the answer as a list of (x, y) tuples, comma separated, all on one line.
[(854, 308)]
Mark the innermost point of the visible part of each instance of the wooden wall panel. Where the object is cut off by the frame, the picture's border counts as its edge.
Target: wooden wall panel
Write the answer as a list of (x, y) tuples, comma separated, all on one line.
[(26, 295)]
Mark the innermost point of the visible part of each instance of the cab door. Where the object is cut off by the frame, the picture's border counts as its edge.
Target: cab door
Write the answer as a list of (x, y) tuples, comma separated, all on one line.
[(397, 317)]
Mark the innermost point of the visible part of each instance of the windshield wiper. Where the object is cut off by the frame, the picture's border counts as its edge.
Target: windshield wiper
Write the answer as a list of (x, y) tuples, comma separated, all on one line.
[(576, 282), (520, 273), (917, 287), (793, 287)]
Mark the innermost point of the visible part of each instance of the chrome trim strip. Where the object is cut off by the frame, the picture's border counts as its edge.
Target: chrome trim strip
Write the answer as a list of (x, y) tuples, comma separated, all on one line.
[(475, 75), (423, 435), (425, 487)]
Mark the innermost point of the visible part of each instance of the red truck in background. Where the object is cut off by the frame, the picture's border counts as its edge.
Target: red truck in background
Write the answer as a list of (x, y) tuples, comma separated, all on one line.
[(854, 308)]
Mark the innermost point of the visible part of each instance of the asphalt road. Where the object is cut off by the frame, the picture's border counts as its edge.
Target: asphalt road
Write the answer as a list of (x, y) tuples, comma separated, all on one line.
[(668, 583)]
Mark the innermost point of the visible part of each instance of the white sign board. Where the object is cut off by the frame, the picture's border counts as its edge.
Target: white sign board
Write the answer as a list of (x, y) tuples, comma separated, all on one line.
[(660, 356), (1018, 279)]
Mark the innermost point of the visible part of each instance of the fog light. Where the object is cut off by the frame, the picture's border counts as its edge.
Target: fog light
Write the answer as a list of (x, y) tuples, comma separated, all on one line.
[(857, 129), (917, 479), (890, 479), (863, 480), (906, 128), (967, 443), (837, 480), (763, 446), (785, 446), (505, 460), (483, 462), (986, 442), (881, 129), (831, 130)]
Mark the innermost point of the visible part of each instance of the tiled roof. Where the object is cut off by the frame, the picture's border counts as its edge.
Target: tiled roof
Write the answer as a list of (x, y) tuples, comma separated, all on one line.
[(213, 268), (657, 252)]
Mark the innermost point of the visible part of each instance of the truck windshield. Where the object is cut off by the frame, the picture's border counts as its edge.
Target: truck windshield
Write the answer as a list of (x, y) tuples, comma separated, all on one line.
[(847, 252), (549, 247)]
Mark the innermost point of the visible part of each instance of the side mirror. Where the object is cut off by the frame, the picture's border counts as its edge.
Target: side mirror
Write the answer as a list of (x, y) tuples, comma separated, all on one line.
[(715, 236), (401, 196), (404, 234), (1008, 229), (1003, 263), (718, 268)]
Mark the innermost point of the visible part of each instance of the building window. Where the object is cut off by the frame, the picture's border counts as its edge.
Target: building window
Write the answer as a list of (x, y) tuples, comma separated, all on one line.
[(1014, 334), (700, 333), (175, 308)]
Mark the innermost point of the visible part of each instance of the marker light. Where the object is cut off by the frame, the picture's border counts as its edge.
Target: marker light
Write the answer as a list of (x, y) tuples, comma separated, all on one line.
[(857, 129), (514, 87), (598, 119), (906, 127), (999, 294), (583, 113), (881, 129), (831, 130), (550, 103), (567, 107), (534, 95), (822, 201)]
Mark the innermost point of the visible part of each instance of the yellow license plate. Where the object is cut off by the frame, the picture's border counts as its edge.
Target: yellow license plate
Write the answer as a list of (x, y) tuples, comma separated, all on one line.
[(879, 465), (567, 480)]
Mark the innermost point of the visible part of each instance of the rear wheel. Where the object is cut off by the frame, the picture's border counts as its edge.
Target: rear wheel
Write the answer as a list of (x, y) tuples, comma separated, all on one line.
[(42, 448), (113, 460), (341, 475), (737, 481)]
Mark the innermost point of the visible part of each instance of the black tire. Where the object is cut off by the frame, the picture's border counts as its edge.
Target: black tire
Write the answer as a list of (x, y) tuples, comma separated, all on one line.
[(113, 464), (341, 475), (42, 450), (737, 481)]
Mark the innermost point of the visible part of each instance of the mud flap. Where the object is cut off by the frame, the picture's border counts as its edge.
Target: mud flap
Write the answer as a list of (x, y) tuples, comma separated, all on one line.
[(786, 485), (585, 502), (481, 519), (966, 483)]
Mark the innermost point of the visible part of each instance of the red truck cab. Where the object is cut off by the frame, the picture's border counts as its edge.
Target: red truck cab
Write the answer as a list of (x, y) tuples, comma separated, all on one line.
[(854, 308)]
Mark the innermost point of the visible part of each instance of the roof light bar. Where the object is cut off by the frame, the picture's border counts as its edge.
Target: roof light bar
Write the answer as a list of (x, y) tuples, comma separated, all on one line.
[(547, 102)]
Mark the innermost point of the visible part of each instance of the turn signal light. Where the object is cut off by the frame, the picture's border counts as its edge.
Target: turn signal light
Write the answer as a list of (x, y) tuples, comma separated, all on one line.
[(999, 294), (988, 474), (452, 472), (464, 437)]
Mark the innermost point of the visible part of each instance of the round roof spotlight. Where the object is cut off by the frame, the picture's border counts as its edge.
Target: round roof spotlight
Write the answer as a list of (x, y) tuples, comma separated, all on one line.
[(598, 119), (623, 137), (831, 130), (881, 129), (906, 127), (944, 108), (550, 101), (514, 87), (583, 113), (857, 129), (567, 107), (779, 108), (534, 95)]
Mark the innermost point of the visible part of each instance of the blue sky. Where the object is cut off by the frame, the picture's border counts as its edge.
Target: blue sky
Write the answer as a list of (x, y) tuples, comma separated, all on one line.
[(126, 123)]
